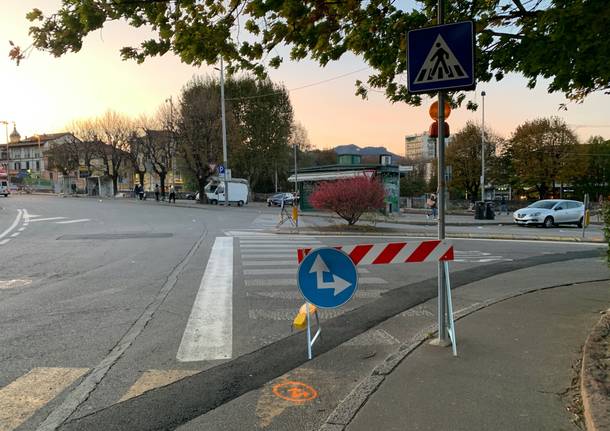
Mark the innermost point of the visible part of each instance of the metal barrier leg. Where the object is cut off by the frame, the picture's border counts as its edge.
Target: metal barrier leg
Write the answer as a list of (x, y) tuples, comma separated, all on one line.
[(451, 326), (309, 343)]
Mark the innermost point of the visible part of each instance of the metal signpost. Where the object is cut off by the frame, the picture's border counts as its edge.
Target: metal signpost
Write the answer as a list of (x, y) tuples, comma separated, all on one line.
[(441, 58), (379, 254), (327, 278)]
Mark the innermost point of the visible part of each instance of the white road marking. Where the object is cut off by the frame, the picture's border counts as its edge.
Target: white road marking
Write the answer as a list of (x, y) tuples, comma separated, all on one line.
[(265, 247), (80, 220), (4, 241), (15, 234), (10, 284), (271, 263), (209, 330), (266, 256), (278, 241), (290, 282), (295, 294), (285, 271), (290, 313), (12, 226), (47, 219), (21, 229)]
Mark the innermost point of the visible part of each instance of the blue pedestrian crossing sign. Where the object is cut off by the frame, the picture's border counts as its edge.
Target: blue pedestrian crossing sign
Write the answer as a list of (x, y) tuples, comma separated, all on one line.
[(327, 278), (441, 58)]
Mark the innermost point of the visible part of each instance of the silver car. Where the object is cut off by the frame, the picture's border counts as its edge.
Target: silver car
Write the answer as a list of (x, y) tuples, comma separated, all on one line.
[(550, 212)]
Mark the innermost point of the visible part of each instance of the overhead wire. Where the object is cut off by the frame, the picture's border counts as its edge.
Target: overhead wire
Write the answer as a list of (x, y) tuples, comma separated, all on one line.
[(324, 81)]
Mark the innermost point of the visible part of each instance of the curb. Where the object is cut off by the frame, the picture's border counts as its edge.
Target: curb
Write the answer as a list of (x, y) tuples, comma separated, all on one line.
[(347, 409), (457, 235), (595, 378)]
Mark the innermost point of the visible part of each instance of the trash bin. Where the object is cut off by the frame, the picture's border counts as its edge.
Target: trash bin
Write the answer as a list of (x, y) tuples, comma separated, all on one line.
[(489, 211), (479, 210)]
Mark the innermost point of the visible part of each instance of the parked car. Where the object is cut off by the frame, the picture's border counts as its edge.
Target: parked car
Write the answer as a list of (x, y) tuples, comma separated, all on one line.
[(550, 212), (276, 199), (4, 188)]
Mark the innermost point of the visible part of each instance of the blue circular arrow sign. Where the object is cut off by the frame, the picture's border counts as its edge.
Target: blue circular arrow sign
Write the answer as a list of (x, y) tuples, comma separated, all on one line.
[(327, 278)]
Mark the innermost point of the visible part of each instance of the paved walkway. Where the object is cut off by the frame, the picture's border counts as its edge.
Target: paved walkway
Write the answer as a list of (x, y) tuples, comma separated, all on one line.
[(514, 371)]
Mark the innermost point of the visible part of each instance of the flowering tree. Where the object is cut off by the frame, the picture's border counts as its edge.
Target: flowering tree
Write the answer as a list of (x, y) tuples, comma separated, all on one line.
[(349, 198)]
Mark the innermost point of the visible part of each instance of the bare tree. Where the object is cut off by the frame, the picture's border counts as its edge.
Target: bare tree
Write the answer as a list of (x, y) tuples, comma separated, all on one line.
[(299, 137), (159, 143), (114, 131), (89, 144), (64, 157)]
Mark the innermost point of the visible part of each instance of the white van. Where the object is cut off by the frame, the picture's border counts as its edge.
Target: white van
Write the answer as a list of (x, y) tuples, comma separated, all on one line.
[(238, 191), (4, 190)]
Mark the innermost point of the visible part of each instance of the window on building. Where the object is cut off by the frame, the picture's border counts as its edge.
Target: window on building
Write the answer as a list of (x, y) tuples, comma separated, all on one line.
[(27, 165), (38, 165)]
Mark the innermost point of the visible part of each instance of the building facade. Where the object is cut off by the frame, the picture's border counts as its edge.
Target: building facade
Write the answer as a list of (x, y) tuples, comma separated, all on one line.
[(24, 159), (420, 147)]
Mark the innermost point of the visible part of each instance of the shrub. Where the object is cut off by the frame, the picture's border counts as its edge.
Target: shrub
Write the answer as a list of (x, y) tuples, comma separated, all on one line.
[(349, 198)]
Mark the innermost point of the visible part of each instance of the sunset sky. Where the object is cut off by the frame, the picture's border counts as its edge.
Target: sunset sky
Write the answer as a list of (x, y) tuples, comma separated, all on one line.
[(44, 93)]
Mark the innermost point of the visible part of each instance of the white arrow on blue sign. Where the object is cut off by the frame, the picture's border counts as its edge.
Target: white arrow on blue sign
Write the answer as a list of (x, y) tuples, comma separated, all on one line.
[(441, 58), (327, 278)]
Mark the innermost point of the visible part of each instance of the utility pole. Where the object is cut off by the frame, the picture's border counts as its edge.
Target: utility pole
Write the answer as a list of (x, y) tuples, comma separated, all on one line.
[(482, 146), (443, 339), (224, 129), (295, 201), (171, 137)]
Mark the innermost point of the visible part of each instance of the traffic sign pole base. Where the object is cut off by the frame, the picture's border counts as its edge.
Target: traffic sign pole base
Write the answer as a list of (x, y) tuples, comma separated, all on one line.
[(440, 342)]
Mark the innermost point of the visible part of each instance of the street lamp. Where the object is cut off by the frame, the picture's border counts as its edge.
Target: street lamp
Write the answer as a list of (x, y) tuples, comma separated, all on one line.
[(173, 144), (483, 146), (224, 128)]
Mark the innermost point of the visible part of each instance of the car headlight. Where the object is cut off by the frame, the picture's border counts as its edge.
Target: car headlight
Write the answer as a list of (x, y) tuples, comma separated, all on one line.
[(535, 214)]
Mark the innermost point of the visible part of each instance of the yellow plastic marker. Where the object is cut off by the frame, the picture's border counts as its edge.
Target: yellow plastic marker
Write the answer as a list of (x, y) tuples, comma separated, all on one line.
[(587, 217), (295, 213), (300, 321)]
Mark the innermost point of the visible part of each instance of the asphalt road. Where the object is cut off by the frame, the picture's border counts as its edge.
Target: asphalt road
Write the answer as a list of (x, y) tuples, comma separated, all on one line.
[(102, 300)]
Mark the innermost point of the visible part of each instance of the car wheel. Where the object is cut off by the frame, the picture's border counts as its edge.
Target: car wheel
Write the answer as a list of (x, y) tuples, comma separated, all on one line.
[(548, 222), (579, 224), (214, 202), (240, 203)]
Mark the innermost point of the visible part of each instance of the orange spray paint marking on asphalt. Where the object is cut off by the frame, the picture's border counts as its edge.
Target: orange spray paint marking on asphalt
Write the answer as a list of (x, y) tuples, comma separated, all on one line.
[(296, 392)]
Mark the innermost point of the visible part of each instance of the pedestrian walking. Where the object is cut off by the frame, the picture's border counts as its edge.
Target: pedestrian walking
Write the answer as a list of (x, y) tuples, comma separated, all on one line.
[(172, 194), (432, 205), (503, 206), (157, 192), (141, 192), (136, 191)]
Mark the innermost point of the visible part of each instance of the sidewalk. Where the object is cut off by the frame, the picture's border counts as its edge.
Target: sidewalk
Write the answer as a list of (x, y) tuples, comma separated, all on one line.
[(516, 369)]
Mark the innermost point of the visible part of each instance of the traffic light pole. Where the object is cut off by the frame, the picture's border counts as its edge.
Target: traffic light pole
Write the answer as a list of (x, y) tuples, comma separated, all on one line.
[(442, 339)]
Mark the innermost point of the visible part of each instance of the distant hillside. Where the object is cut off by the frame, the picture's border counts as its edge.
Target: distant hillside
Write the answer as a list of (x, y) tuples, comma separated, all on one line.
[(366, 151)]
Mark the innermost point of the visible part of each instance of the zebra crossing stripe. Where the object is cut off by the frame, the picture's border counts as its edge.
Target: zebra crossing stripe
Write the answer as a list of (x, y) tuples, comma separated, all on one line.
[(80, 220), (24, 396), (289, 282)]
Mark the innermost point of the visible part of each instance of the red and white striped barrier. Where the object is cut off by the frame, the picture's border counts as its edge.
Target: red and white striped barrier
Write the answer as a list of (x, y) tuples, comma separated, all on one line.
[(393, 252)]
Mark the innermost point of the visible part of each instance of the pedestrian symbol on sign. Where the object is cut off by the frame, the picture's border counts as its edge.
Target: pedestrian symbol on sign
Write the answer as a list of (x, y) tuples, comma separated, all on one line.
[(440, 64)]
